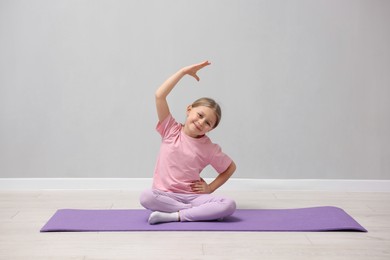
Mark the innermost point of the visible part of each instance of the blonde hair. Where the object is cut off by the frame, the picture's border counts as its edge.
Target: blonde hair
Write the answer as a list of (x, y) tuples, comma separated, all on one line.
[(210, 103)]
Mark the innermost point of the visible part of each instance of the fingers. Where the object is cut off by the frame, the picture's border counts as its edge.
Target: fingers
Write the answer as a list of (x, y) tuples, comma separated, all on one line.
[(196, 77), (196, 186), (202, 65), (199, 187), (193, 69)]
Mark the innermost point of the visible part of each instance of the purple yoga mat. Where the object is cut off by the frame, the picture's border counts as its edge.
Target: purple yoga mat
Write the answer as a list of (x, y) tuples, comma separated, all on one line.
[(305, 219)]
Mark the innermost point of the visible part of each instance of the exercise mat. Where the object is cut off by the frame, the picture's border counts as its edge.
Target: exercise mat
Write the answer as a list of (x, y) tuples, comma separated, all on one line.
[(302, 219)]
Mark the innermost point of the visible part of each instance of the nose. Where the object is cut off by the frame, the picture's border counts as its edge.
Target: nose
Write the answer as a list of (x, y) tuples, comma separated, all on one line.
[(202, 121)]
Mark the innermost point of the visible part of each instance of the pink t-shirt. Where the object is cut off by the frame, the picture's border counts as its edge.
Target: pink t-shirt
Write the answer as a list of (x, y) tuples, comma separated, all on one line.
[(182, 158)]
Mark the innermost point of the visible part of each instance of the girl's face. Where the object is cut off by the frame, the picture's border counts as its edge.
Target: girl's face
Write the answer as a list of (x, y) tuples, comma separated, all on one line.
[(200, 120)]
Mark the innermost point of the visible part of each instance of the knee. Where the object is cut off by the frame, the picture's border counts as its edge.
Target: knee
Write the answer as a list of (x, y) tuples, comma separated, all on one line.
[(230, 206), (146, 198)]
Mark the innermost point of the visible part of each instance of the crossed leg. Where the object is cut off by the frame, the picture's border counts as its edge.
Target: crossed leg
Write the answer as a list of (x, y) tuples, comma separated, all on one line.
[(169, 207)]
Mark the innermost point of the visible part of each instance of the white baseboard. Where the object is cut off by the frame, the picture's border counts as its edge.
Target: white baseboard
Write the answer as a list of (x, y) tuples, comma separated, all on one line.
[(138, 184)]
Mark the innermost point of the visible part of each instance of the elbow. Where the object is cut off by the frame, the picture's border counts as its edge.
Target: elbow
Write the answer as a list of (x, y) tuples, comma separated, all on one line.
[(232, 168), (159, 96)]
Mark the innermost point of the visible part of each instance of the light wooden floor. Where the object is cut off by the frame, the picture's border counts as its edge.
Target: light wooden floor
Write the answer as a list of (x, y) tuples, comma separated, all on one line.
[(22, 214)]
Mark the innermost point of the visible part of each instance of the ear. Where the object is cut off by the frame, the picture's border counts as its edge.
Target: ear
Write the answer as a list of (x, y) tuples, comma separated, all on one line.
[(188, 110)]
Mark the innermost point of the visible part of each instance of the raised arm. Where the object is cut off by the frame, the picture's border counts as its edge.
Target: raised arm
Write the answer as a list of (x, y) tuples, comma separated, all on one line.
[(164, 90)]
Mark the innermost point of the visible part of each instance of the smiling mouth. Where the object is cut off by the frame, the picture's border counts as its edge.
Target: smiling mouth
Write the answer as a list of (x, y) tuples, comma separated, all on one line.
[(197, 127)]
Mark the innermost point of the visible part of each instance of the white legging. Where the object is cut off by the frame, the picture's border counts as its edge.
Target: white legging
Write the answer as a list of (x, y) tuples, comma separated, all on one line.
[(191, 207)]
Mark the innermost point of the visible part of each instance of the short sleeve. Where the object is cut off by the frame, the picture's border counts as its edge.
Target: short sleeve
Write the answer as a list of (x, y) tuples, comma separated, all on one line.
[(168, 127), (220, 161)]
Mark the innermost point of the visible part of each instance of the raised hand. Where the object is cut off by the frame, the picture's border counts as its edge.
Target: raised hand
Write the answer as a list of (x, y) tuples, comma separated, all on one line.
[(193, 69), (163, 91)]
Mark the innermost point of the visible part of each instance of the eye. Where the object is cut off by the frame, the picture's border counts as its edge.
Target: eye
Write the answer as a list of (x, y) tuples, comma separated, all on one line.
[(200, 115)]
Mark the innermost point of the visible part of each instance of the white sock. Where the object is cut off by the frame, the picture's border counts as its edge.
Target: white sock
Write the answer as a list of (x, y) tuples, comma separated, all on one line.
[(162, 217)]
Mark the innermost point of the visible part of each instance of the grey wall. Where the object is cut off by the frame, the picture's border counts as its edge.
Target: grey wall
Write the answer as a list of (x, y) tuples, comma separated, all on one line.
[(304, 85)]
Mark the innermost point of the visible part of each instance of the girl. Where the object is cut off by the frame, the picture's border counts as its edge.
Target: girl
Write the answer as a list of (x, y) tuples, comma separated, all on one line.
[(178, 193)]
